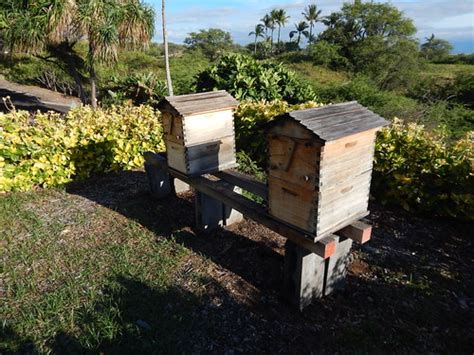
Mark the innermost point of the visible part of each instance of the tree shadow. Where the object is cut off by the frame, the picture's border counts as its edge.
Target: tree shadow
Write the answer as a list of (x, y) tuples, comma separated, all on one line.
[(12, 343), (132, 317), (127, 193)]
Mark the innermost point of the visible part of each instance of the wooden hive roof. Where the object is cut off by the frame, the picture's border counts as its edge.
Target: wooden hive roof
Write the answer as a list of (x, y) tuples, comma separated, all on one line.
[(194, 104), (335, 121)]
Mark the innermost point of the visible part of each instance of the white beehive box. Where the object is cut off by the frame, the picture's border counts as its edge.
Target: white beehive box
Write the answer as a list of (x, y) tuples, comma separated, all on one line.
[(320, 166), (199, 132)]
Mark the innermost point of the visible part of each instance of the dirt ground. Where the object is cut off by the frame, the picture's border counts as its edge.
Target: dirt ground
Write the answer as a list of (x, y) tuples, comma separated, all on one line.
[(34, 98), (410, 289)]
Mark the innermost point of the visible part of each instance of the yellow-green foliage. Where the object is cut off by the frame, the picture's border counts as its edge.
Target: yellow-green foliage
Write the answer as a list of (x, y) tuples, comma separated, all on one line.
[(250, 120), (421, 172), (51, 150)]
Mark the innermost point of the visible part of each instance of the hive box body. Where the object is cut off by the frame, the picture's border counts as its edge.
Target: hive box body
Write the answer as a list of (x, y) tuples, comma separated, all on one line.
[(199, 132), (315, 184)]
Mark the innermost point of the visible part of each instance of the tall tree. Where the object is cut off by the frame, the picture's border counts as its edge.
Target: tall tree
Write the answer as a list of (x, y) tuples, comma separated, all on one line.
[(280, 18), (257, 32), (165, 45), (436, 48), (301, 28), (311, 14), (55, 26), (376, 39), (212, 42), (268, 23)]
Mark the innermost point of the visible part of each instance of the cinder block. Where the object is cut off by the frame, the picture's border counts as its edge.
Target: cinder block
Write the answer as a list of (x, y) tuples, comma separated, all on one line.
[(337, 267), (304, 274), (159, 180), (211, 213)]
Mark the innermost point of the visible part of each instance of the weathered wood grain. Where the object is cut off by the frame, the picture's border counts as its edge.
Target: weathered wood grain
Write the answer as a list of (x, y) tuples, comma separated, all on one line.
[(357, 231)]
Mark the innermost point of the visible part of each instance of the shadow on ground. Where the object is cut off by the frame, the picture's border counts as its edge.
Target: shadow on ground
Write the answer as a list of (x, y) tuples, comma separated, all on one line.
[(409, 290)]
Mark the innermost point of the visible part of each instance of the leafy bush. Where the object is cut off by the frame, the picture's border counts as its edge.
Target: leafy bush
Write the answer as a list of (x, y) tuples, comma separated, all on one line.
[(418, 171), (247, 78), (327, 54), (385, 103), (454, 119), (50, 150), (142, 88), (250, 121)]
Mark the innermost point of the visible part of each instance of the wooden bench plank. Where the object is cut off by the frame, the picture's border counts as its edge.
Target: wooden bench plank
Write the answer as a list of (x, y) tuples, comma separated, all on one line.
[(219, 190), (246, 182)]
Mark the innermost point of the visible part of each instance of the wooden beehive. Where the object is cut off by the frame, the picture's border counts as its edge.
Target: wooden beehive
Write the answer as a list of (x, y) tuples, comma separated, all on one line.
[(199, 132), (320, 166)]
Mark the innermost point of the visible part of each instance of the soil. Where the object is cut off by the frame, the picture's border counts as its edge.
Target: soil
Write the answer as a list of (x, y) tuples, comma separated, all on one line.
[(409, 289)]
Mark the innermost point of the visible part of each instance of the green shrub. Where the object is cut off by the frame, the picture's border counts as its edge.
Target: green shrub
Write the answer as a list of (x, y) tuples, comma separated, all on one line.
[(385, 103), (141, 88), (250, 121), (51, 150), (454, 119), (420, 172), (327, 54), (246, 78)]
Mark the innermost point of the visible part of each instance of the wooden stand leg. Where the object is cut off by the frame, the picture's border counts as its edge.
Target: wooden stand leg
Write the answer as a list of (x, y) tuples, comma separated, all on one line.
[(337, 266), (304, 274), (308, 276), (211, 213), (159, 180)]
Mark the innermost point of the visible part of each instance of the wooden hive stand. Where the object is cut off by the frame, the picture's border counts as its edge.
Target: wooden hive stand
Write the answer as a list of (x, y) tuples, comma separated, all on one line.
[(312, 268)]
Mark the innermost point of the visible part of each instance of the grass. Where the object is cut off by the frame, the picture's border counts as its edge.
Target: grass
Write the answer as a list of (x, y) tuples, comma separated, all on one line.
[(446, 71), (75, 274), (317, 75)]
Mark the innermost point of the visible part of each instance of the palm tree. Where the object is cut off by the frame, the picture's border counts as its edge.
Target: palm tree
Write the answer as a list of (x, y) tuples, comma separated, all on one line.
[(34, 27), (301, 28), (280, 17), (165, 45), (257, 32), (269, 24), (311, 14)]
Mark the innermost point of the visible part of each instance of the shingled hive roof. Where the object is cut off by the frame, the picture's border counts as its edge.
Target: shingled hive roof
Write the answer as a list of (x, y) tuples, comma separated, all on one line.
[(186, 105), (336, 121)]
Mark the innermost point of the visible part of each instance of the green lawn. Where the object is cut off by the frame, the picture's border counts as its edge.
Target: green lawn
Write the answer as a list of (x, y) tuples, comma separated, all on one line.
[(81, 276)]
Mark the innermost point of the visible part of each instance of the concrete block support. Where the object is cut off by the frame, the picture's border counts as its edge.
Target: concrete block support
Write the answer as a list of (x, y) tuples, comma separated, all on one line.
[(303, 275), (211, 213), (159, 180), (308, 276), (337, 266)]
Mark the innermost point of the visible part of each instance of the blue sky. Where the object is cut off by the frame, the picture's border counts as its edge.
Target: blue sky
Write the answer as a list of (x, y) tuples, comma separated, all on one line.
[(452, 20)]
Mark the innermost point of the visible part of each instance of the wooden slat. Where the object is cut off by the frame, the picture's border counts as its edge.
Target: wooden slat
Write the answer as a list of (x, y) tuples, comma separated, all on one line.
[(357, 231), (220, 191), (207, 127), (244, 181), (342, 224)]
